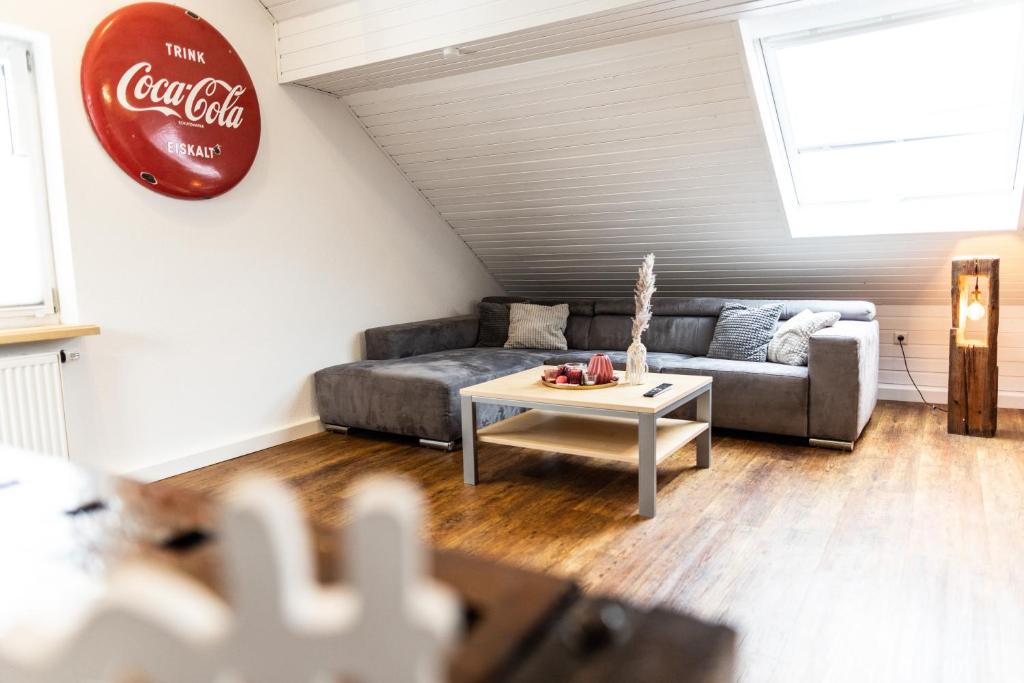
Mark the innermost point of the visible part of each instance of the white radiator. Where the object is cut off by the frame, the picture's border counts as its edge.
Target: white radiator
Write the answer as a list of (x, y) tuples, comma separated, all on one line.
[(32, 404)]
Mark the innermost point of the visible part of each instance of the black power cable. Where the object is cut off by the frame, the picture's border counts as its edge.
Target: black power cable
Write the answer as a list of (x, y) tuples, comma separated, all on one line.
[(933, 406)]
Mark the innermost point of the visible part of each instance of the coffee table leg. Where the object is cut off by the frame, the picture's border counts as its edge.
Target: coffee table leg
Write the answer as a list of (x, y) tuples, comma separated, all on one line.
[(469, 468), (648, 441), (704, 440)]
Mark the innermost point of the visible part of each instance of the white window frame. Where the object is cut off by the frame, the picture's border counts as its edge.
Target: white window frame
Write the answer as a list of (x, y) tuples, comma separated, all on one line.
[(861, 218), (61, 304)]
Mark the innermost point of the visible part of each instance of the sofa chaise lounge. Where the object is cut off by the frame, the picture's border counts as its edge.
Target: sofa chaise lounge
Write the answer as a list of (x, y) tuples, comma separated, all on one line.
[(409, 383)]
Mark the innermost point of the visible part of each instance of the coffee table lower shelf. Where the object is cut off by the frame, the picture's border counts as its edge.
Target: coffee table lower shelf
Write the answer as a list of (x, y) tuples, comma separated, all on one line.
[(608, 438), (621, 423)]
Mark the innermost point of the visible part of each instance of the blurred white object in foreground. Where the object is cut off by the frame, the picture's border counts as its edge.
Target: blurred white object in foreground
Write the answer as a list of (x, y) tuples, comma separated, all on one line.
[(390, 623)]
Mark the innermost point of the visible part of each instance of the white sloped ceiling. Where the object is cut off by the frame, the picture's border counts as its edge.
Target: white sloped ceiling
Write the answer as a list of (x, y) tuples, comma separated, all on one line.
[(560, 173)]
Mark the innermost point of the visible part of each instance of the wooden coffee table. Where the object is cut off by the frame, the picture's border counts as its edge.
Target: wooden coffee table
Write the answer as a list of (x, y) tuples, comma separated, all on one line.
[(617, 423)]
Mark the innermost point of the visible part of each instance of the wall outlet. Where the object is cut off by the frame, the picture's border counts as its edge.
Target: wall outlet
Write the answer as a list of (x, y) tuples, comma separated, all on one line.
[(896, 338)]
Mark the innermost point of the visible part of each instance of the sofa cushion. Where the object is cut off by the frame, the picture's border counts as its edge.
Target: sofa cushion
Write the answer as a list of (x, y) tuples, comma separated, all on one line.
[(863, 311), (665, 305), (505, 300), (532, 326), (417, 396), (743, 333), (759, 397), (577, 331), (584, 307), (494, 319), (689, 335), (610, 332), (655, 360), (423, 336)]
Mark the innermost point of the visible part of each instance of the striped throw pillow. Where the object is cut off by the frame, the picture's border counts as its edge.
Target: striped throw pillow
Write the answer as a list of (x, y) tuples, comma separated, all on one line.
[(537, 327), (792, 340)]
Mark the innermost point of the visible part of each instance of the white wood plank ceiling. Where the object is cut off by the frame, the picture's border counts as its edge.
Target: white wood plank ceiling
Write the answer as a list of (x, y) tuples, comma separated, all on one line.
[(561, 173), (562, 154)]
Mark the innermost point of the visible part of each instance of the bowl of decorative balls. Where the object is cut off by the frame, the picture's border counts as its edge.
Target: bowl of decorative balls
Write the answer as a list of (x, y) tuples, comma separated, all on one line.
[(597, 374)]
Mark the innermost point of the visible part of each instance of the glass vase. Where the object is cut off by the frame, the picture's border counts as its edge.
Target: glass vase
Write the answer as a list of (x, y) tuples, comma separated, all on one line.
[(636, 363)]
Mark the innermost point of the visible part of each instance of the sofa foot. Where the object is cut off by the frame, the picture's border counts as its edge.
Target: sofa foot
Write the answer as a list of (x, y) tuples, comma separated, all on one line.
[(833, 444), (337, 429), (438, 445)]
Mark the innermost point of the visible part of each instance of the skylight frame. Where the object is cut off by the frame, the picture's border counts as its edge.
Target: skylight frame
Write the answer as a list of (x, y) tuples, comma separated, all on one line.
[(764, 35), (6, 120)]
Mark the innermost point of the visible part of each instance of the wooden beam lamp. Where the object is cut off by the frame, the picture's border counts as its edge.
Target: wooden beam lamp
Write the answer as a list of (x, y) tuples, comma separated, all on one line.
[(973, 373)]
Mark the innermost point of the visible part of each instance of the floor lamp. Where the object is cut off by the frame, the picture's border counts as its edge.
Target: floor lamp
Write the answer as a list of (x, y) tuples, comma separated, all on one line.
[(973, 373)]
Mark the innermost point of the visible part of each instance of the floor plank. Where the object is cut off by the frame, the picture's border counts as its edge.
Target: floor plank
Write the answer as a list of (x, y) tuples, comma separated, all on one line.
[(901, 561)]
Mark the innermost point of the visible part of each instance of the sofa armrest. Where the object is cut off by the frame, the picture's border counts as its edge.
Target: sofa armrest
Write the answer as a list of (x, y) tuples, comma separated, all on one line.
[(425, 336), (843, 375)]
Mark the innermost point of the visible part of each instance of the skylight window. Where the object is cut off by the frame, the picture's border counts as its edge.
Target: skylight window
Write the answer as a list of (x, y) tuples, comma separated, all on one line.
[(900, 124)]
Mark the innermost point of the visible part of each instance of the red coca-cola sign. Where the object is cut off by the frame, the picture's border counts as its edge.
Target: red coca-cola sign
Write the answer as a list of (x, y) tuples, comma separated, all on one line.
[(171, 100)]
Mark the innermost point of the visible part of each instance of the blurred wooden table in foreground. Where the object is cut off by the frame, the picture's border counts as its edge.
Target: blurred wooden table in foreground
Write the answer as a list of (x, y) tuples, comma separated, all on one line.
[(64, 529)]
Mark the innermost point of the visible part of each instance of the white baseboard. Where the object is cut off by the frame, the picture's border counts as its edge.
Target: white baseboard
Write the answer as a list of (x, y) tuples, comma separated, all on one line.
[(900, 392), (227, 452)]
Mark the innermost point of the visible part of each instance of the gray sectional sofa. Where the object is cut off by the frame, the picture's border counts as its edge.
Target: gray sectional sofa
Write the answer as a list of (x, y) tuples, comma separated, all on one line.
[(409, 384)]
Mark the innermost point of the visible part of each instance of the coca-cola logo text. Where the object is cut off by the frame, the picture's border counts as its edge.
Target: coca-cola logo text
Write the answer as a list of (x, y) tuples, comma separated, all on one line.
[(210, 100)]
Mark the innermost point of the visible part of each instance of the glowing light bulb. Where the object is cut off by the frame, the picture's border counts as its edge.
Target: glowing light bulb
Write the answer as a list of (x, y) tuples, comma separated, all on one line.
[(975, 310)]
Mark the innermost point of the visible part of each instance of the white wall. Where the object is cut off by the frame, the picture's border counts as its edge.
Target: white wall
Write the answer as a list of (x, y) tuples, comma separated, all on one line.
[(216, 313), (927, 330)]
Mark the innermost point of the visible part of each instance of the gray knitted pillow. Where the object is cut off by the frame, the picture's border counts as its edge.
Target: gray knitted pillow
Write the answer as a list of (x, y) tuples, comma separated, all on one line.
[(744, 333), (537, 327)]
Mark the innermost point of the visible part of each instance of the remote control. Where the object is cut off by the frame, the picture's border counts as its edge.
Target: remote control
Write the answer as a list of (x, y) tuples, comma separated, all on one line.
[(657, 390)]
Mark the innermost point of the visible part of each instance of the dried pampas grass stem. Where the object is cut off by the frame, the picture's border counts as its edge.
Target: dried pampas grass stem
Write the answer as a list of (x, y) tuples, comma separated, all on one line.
[(636, 356)]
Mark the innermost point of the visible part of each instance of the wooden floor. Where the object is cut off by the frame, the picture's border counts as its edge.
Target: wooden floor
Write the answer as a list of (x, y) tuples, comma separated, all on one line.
[(902, 561)]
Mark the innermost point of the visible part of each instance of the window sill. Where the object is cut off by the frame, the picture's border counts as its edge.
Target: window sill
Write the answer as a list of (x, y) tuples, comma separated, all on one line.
[(27, 335), (984, 212)]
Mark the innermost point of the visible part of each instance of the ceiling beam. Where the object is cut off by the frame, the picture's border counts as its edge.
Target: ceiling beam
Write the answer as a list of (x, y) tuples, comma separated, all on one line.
[(317, 37)]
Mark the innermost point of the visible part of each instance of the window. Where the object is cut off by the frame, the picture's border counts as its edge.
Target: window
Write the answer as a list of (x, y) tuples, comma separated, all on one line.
[(899, 124), (27, 278)]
